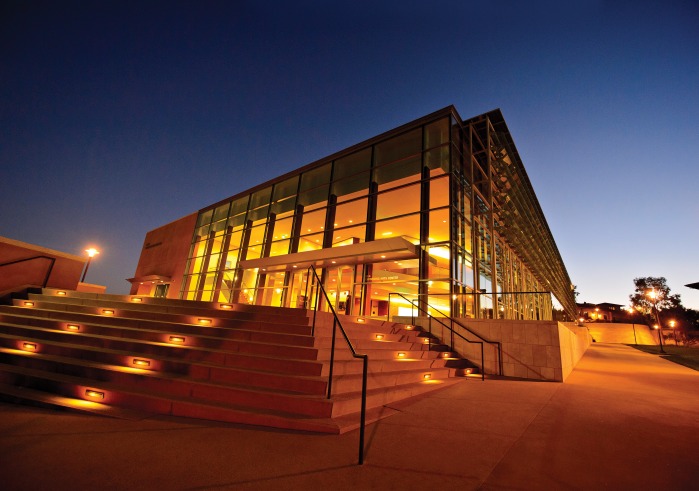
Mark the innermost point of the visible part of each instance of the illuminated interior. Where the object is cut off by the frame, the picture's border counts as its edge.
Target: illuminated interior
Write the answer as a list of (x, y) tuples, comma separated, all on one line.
[(456, 191)]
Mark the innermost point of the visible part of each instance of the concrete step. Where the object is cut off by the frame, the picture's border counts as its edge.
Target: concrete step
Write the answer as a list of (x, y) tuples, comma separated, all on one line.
[(228, 312), (106, 327)]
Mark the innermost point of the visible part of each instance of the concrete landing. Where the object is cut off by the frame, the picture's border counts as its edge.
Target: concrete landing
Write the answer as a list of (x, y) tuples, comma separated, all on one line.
[(623, 420)]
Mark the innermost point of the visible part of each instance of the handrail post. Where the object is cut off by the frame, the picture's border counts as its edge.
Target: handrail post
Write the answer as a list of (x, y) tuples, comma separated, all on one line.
[(482, 364), (332, 360), (362, 423)]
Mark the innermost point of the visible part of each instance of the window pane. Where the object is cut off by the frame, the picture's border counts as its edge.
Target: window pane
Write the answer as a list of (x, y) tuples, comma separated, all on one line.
[(437, 160), (439, 192), (282, 229), (352, 164), (398, 202), (279, 248), (439, 225), (260, 197), (356, 185), (399, 147), (313, 222), (315, 178), (348, 236), (398, 170), (311, 242), (221, 212), (408, 227), (351, 213), (437, 133)]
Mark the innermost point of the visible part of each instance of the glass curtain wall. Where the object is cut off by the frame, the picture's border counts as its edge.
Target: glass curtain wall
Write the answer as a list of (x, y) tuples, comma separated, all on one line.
[(437, 185)]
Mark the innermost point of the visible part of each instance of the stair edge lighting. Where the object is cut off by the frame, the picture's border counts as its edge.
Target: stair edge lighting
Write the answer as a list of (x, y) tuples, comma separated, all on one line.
[(96, 394)]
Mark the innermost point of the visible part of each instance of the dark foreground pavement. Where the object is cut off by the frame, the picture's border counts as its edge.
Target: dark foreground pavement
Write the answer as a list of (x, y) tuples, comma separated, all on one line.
[(623, 420)]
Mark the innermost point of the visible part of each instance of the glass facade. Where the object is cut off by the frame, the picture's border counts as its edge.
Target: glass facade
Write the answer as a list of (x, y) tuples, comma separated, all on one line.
[(455, 191)]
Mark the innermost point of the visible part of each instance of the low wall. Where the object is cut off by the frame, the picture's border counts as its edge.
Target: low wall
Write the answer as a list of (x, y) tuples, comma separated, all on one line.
[(605, 332), (537, 350), (65, 272)]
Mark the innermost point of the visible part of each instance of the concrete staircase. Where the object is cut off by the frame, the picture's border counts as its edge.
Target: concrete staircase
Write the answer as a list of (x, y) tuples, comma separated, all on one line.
[(131, 357)]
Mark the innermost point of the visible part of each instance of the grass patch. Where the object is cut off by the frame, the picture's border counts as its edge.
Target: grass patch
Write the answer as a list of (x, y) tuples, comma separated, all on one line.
[(682, 355)]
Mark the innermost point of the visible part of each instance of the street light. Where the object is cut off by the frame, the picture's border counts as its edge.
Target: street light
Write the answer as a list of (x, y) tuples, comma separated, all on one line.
[(654, 297), (91, 252)]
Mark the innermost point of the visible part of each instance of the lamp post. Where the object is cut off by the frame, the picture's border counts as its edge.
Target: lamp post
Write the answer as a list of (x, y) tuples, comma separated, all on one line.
[(91, 252), (654, 297), (674, 331)]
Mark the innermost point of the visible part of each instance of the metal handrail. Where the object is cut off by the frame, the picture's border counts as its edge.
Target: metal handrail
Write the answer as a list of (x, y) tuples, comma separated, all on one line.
[(451, 330), (365, 358), (48, 273)]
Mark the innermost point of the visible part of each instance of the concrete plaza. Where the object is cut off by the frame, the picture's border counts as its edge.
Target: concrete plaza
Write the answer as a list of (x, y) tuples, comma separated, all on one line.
[(622, 420)]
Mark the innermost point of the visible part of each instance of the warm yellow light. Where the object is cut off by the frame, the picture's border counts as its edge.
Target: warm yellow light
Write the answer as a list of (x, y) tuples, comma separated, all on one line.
[(137, 299), (581, 319), (61, 293), (72, 327), (177, 339), (108, 311), (652, 294), (141, 363), (427, 341), (29, 346), (468, 371), (379, 336), (401, 355), (94, 393), (387, 233), (204, 322), (226, 306), (446, 354), (427, 376), (92, 252), (29, 304), (672, 323), (361, 321)]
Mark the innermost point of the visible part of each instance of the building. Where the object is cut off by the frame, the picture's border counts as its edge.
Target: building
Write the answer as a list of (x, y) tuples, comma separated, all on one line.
[(439, 210), (602, 312)]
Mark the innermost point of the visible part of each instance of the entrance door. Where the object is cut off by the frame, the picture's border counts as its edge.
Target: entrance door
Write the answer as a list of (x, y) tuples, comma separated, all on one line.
[(339, 284), (161, 290)]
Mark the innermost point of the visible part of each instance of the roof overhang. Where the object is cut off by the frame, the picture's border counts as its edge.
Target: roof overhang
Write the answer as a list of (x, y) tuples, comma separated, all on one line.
[(392, 249), (151, 278), (693, 285)]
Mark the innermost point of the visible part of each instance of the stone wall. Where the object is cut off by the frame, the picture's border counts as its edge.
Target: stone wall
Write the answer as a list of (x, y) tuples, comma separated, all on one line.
[(536, 350)]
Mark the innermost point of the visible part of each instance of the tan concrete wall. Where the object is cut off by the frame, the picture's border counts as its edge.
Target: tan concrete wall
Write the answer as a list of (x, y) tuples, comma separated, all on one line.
[(574, 341), (537, 350), (64, 274), (164, 253), (603, 332)]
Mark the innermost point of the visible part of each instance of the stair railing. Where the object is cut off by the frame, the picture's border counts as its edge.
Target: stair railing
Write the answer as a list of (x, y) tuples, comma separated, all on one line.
[(425, 307), (314, 280), (48, 273)]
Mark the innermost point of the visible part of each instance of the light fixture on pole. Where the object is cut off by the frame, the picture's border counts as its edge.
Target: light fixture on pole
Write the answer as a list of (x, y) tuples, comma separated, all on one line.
[(654, 297), (91, 252)]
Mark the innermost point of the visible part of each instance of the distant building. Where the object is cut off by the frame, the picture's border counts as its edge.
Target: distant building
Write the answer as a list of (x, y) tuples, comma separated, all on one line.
[(600, 312), (440, 210)]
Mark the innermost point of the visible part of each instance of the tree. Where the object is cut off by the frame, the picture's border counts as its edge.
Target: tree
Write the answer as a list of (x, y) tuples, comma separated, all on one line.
[(642, 301), (686, 320)]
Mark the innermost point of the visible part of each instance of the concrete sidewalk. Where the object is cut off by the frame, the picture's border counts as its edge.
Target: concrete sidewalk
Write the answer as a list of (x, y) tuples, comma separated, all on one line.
[(623, 420)]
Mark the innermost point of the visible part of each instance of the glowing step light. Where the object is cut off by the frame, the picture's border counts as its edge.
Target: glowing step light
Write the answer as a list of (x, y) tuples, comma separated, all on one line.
[(94, 394), (177, 339), (61, 293), (72, 327), (108, 311), (137, 299), (400, 355), (27, 346), (28, 304), (141, 363), (379, 337), (427, 376), (226, 306), (204, 322)]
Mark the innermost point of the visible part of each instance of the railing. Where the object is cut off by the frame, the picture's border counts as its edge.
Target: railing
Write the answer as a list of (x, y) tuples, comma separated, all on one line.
[(48, 273), (315, 280), (416, 304)]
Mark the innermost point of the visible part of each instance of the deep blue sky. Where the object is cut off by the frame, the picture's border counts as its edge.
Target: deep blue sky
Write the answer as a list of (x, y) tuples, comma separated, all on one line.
[(118, 117)]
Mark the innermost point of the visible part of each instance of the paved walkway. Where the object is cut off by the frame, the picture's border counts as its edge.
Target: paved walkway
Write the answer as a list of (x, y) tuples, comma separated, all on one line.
[(623, 420)]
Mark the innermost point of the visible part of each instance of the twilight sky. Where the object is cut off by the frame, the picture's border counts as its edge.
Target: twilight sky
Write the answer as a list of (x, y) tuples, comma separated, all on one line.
[(118, 117)]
